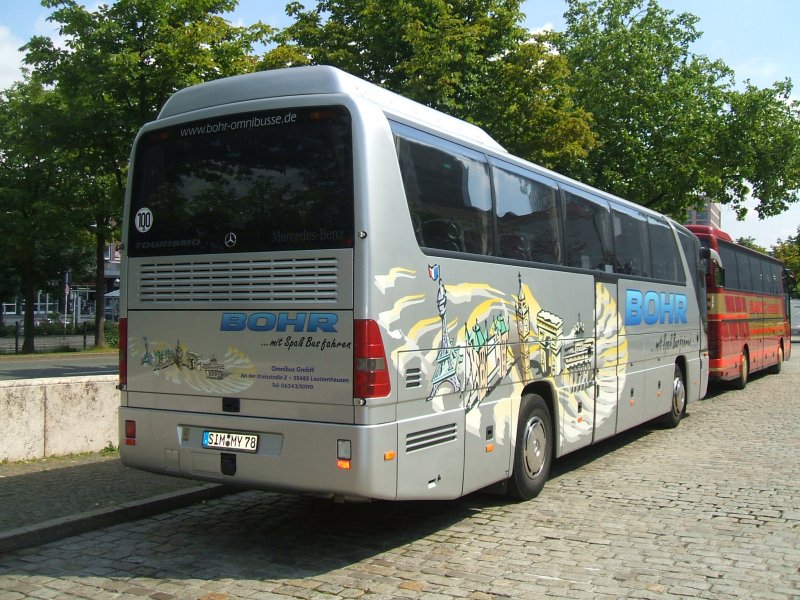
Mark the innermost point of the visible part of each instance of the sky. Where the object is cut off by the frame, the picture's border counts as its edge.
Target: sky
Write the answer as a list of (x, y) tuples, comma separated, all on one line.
[(755, 38)]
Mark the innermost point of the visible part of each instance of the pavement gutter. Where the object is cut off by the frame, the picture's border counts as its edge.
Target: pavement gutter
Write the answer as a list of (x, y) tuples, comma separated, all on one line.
[(62, 527)]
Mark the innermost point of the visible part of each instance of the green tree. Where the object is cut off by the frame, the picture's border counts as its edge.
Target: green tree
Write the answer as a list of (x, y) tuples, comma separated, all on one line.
[(788, 252), (119, 65), (37, 231), (9, 279), (750, 242), (656, 106), (471, 59), (758, 150)]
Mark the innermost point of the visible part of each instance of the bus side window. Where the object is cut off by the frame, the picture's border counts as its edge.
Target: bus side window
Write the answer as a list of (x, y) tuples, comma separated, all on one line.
[(448, 193), (719, 279), (728, 256), (528, 217), (666, 260), (631, 242), (745, 275), (760, 284), (698, 258), (775, 277), (587, 233)]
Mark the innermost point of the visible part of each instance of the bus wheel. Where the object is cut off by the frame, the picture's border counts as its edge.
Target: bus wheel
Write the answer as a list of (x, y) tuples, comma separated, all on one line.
[(776, 368), (744, 371), (678, 404), (534, 450)]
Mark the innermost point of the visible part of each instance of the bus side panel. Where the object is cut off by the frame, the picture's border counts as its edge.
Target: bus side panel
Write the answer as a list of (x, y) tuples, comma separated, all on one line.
[(696, 382), (741, 321), (475, 344), (431, 456), (633, 384), (661, 324), (774, 329), (487, 448), (759, 341)]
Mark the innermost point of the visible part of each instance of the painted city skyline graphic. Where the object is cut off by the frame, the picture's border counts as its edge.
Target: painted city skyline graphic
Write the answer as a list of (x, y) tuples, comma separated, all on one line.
[(512, 339), (475, 367), (177, 364)]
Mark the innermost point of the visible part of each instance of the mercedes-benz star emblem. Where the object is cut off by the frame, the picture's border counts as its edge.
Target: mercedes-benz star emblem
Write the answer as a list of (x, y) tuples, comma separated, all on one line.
[(230, 240)]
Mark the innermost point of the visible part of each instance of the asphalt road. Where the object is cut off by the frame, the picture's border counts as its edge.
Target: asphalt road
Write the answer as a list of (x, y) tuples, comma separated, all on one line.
[(58, 365)]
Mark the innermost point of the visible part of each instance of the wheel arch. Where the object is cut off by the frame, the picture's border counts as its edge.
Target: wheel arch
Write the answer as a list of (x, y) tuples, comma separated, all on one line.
[(548, 393), (683, 365)]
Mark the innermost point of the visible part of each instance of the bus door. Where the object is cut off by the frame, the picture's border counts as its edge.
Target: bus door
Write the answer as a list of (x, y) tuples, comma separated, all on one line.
[(608, 360), (584, 324), (633, 366)]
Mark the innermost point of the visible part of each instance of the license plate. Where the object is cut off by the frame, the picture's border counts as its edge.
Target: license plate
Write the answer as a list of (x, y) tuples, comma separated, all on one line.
[(225, 440)]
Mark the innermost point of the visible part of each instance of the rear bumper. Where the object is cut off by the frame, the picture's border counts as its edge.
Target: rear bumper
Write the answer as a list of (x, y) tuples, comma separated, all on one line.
[(296, 456)]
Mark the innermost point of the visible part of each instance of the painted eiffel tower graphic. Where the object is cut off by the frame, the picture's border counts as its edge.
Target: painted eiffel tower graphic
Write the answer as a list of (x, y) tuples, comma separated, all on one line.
[(448, 357)]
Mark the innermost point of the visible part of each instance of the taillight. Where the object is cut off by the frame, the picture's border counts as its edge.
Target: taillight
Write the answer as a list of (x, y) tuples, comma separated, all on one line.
[(123, 352), (130, 433), (371, 372)]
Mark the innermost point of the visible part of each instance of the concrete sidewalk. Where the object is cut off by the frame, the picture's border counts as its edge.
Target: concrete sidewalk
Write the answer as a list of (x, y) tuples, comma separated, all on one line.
[(49, 499)]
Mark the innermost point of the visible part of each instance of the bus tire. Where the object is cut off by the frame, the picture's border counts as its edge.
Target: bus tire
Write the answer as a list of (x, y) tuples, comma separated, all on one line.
[(677, 405), (534, 449), (776, 368), (744, 371)]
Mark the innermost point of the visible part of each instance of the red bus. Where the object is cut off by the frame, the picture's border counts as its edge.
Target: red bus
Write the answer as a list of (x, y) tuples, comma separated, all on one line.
[(748, 322)]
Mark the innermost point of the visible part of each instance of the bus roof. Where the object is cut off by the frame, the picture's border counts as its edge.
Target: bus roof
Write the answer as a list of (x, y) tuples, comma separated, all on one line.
[(709, 231), (303, 81), (713, 232), (321, 80)]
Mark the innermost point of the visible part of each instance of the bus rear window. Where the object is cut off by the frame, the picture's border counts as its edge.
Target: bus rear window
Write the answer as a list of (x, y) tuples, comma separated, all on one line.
[(274, 180)]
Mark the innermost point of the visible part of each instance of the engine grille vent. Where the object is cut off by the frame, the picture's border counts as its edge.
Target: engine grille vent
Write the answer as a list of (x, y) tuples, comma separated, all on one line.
[(272, 280), (413, 378), (427, 438)]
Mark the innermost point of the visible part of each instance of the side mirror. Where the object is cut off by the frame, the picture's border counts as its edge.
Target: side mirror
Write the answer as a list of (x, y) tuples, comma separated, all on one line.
[(708, 256)]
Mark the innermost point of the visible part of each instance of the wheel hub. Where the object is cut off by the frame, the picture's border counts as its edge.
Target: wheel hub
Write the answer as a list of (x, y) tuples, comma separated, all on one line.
[(535, 446), (678, 396)]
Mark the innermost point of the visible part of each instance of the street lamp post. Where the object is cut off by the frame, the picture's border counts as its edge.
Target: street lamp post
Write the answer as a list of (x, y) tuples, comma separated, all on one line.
[(66, 301)]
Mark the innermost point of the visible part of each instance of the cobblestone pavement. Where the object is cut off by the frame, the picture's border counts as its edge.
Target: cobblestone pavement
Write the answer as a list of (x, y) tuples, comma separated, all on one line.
[(50, 499), (708, 510), (38, 491)]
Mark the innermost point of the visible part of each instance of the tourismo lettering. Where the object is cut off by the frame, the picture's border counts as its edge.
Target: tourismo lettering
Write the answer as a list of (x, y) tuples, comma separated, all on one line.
[(654, 307), (280, 322)]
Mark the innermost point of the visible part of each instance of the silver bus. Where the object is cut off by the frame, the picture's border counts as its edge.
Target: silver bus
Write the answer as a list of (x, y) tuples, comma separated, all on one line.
[(329, 288)]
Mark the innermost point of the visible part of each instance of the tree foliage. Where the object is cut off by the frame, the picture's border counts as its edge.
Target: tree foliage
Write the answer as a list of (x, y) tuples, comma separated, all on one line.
[(37, 232), (759, 149), (470, 59), (672, 129), (750, 242), (618, 100), (119, 64), (788, 252), (655, 105)]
